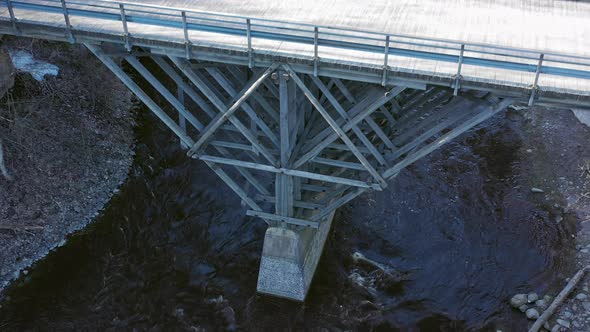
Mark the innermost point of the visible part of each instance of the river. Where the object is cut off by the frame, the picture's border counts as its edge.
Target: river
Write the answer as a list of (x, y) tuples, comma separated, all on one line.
[(174, 250)]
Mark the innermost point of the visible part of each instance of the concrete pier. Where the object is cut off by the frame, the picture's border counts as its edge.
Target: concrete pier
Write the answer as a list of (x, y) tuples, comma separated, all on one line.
[(290, 258)]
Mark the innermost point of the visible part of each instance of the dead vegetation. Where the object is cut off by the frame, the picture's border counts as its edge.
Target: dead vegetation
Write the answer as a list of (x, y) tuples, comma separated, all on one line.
[(66, 144)]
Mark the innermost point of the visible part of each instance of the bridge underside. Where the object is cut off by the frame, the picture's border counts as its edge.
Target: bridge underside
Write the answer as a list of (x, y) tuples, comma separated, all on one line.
[(295, 147)]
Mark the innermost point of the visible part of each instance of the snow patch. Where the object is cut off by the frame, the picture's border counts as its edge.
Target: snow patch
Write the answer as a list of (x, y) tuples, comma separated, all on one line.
[(23, 61), (583, 116)]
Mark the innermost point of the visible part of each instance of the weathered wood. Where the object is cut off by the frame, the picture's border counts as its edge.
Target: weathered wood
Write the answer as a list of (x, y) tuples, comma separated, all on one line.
[(292, 172), (341, 134), (240, 97), (134, 62), (109, 63), (559, 299), (482, 116), (283, 219), (218, 103), (317, 147)]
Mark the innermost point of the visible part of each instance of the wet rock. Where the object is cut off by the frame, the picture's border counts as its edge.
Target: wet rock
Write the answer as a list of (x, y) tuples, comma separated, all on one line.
[(537, 190), (532, 313), (541, 304), (532, 297), (518, 300), (586, 306), (523, 308), (556, 328), (548, 299), (581, 297), (568, 315), (564, 323)]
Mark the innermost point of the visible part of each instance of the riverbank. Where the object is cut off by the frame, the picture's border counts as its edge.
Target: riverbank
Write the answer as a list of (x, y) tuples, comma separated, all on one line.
[(67, 147)]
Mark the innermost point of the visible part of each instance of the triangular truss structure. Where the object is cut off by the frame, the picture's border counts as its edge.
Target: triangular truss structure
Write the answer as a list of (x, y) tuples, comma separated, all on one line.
[(295, 146)]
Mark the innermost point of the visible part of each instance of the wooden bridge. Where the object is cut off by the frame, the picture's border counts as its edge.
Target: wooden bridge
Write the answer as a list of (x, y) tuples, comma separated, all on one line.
[(300, 107)]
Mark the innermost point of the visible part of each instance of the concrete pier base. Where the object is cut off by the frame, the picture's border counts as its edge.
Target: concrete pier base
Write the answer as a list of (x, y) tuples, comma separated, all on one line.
[(290, 257)]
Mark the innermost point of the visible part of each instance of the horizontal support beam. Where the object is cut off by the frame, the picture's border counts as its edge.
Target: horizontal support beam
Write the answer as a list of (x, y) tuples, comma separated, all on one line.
[(287, 220), (292, 172), (296, 203)]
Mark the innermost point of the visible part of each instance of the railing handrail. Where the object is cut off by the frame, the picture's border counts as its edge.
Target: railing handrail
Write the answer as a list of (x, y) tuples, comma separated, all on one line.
[(384, 34), (340, 37), (396, 35)]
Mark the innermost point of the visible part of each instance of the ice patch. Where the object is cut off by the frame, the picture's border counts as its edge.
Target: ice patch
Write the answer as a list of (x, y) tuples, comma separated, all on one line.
[(24, 61)]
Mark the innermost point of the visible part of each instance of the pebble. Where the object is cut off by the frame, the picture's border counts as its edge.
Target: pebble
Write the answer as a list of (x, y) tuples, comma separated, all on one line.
[(586, 306), (523, 308), (537, 190), (581, 296), (532, 297), (585, 251), (568, 315), (563, 323), (518, 300), (532, 313), (556, 328)]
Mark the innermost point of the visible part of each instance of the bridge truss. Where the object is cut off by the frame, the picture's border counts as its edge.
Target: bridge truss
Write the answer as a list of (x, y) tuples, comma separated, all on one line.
[(296, 147)]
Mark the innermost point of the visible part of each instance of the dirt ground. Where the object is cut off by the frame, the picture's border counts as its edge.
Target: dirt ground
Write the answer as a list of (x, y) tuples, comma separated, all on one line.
[(68, 145)]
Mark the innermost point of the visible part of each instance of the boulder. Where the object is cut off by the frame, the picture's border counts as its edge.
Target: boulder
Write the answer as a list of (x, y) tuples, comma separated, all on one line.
[(518, 300), (532, 297), (541, 304), (532, 313)]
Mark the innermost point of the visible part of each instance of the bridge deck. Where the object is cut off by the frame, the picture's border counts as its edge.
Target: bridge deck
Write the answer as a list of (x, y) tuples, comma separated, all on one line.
[(545, 26)]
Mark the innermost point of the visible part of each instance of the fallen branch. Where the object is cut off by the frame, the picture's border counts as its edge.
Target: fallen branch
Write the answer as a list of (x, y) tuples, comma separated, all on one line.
[(559, 299), (2, 166)]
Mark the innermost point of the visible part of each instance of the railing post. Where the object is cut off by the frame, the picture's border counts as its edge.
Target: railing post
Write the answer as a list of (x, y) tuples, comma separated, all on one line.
[(386, 62), (187, 41), (12, 16), (316, 58), (125, 29), (249, 37), (460, 65), (67, 19), (535, 86)]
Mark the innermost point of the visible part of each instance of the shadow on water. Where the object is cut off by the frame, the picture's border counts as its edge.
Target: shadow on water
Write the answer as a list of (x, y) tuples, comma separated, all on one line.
[(175, 251)]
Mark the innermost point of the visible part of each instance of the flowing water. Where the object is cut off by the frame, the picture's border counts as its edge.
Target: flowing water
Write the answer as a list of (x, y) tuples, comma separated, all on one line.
[(175, 251)]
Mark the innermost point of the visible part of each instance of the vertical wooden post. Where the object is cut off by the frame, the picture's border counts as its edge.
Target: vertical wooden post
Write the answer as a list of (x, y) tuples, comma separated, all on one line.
[(187, 41), (316, 57), (67, 20), (536, 82), (459, 66), (12, 16), (386, 62), (125, 29), (249, 37), (284, 183)]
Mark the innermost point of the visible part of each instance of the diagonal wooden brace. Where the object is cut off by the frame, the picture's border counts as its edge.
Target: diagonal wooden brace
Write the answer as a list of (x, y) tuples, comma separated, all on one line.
[(222, 117), (316, 103)]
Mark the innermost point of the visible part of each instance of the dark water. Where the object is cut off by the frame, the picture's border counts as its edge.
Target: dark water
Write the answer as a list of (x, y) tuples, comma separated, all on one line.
[(176, 238)]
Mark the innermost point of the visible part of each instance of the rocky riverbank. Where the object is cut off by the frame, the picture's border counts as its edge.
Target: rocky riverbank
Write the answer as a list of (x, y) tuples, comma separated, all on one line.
[(567, 183), (67, 147)]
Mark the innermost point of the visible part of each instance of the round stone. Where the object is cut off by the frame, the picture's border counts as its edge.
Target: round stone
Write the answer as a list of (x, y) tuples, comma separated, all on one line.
[(518, 300), (532, 313)]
